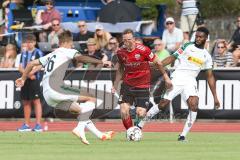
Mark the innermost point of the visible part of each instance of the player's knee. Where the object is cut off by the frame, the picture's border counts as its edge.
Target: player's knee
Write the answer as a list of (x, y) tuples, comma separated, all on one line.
[(141, 112), (193, 104), (163, 103), (124, 112), (92, 99)]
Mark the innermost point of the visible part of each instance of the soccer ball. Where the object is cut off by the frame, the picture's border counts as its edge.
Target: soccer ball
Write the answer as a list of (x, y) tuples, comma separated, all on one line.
[(134, 134)]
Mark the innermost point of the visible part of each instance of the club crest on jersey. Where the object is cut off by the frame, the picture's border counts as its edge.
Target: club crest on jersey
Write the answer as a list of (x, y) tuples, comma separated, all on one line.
[(151, 55), (137, 56), (180, 50)]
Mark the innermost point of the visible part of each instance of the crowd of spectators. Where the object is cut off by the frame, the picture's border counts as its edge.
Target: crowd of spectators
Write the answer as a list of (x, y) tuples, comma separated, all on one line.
[(103, 45)]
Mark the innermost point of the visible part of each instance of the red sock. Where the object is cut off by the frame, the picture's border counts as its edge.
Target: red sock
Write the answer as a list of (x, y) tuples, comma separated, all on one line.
[(127, 122)]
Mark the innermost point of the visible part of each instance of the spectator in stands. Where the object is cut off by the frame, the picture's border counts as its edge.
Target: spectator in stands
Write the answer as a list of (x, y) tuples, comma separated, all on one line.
[(102, 37), (56, 30), (172, 36), (45, 18), (234, 44), (188, 17), (159, 50), (222, 58), (30, 92), (8, 60), (24, 47), (139, 40), (111, 50), (93, 52), (83, 35)]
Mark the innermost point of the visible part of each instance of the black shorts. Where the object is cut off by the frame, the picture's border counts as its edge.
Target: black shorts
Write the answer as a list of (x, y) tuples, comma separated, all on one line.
[(132, 95), (31, 90)]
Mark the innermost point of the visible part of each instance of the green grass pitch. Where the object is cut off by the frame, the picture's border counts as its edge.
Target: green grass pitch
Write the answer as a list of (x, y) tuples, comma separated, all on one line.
[(159, 146)]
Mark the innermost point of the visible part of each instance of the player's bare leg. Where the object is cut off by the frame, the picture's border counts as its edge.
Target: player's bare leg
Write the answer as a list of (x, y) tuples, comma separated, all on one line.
[(140, 114), (192, 115), (85, 110), (125, 115)]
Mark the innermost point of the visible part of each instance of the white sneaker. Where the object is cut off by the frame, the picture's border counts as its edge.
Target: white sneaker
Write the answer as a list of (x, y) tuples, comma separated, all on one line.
[(82, 137)]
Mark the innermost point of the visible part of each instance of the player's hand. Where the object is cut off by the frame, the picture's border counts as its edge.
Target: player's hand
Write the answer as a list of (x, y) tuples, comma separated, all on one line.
[(107, 63), (113, 90), (216, 103), (19, 82), (32, 77), (168, 84)]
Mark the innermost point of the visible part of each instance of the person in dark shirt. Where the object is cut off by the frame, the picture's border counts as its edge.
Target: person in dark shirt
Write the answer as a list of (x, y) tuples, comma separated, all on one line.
[(30, 92), (83, 35), (235, 44)]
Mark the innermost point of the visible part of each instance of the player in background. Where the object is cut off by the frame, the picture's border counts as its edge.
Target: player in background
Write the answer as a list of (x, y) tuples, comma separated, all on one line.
[(133, 68), (192, 59), (55, 65)]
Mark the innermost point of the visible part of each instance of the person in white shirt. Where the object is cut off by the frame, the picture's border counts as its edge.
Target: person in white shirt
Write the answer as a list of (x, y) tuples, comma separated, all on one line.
[(60, 96), (193, 58), (172, 36)]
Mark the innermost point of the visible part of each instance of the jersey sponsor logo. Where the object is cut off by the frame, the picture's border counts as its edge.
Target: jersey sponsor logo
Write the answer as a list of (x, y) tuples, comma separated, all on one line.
[(151, 55), (137, 56), (195, 60)]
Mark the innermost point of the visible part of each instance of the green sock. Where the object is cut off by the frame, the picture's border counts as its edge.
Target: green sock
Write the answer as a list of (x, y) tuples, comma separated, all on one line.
[(137, 120)]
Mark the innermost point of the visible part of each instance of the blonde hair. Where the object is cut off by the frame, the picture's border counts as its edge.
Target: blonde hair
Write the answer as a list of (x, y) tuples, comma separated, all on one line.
[(102, 41)]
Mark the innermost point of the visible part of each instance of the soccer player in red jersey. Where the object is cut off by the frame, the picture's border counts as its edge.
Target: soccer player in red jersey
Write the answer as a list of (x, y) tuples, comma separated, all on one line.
[(133, 68)]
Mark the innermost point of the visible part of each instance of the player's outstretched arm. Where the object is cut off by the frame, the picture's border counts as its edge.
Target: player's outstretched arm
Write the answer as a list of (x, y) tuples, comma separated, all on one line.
[(212, 85), (168, 60), (87, 59), (160, 66), (20, 81)]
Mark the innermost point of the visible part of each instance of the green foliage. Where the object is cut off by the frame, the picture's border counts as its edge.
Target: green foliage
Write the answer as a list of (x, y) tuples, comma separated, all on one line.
[(149, 10), (208, 8), (219, 8)]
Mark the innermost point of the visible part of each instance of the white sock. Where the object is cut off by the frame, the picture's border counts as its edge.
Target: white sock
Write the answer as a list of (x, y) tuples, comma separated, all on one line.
[(87, 107), (151, 113), (189, 123), (81, 127), (92, 128)]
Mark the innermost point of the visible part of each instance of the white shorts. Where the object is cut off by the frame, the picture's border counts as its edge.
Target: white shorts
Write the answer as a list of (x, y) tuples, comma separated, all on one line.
[(185, 90), (53, 98)]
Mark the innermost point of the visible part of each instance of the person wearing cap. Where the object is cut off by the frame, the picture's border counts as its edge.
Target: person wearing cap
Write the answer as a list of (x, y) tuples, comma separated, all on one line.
[(172, 36), (93, 52), (45, 18), (101, 36), (83, 35)]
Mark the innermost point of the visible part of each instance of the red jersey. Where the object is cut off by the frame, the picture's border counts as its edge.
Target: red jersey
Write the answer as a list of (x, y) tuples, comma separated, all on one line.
[(136, 65)]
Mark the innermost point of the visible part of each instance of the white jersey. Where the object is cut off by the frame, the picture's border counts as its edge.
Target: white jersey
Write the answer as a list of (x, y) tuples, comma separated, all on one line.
[(191, 61), (55, 66)]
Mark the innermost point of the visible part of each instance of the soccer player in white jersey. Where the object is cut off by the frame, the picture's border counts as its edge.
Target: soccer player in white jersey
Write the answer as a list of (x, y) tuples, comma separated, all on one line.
[(192, 59), (55, 65)]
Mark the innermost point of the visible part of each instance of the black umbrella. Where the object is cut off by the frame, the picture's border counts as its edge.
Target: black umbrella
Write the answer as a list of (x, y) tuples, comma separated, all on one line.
[(119, 11)]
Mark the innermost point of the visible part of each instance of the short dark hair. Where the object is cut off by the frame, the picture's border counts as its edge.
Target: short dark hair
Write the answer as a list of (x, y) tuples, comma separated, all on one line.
[(65, 36), (29, 37), (204, 30), (127, 31)]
